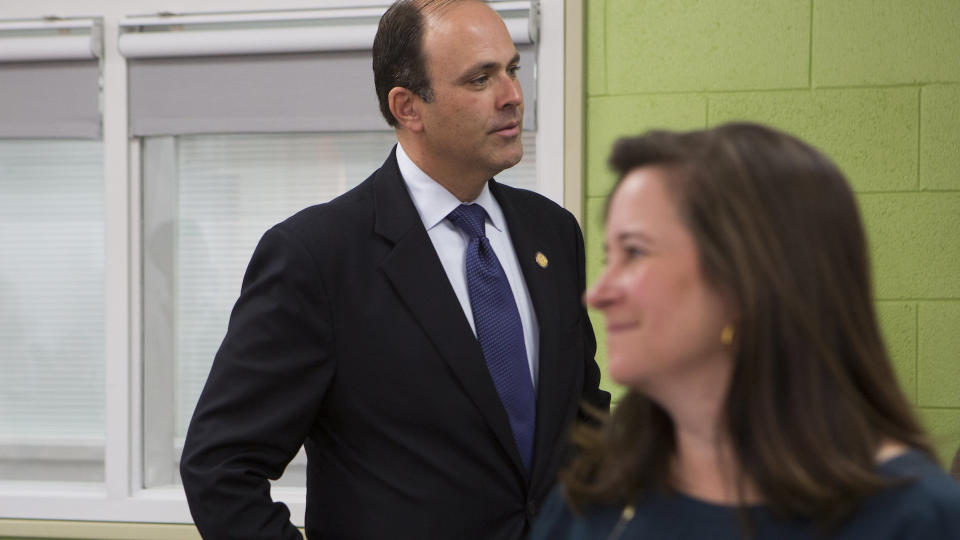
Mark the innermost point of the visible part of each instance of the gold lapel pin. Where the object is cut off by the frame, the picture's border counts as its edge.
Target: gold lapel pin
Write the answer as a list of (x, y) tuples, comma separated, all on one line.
[(542, 259)]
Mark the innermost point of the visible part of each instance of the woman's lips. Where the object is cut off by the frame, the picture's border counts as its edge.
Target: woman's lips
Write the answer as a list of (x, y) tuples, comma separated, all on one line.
[(613, 328)]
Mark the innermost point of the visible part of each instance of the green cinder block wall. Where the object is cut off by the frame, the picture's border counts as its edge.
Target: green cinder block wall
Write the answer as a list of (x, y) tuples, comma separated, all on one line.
[(873, 83)]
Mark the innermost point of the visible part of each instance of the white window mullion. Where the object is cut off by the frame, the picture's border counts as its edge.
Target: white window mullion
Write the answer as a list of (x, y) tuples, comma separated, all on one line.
[(159, 173), (118, 270), (137, 427)]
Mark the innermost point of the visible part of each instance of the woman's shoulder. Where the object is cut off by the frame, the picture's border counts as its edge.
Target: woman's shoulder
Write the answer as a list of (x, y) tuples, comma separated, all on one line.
[(922, 502), (916, 476)]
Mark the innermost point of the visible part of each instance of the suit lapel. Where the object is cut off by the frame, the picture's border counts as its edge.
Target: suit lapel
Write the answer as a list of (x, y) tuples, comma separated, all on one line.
[(421, 283), (530, 238)]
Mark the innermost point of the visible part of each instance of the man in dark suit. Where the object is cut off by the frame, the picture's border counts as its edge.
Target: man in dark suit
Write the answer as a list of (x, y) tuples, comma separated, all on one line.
[(364, 332)]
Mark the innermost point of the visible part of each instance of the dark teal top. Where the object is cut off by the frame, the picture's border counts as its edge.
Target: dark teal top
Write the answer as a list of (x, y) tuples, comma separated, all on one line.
[(927, 507)]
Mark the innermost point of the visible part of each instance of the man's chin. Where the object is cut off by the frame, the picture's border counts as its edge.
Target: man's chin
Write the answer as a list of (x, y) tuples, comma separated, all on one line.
[(506, 164), (502, 158), (512, 156)]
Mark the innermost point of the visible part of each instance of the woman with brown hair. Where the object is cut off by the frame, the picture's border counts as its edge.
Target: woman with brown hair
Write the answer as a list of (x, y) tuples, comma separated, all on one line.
[(762, 401)]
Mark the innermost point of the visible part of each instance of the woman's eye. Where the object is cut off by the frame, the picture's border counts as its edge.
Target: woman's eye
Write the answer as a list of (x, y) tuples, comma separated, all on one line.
[(632, 252)]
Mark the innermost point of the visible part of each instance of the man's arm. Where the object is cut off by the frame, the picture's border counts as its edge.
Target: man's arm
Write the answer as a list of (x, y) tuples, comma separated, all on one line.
[(261, 396)]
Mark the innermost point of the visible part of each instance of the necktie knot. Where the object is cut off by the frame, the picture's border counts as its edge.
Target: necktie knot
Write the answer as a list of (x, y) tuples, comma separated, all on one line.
[(469, 218)]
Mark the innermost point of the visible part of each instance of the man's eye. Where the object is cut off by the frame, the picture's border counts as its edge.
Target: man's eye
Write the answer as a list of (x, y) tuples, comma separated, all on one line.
[(512, 70), (480, 80)]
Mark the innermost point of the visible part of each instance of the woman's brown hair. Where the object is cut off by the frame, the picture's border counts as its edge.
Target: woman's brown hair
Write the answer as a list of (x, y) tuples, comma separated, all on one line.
[(813, 393)]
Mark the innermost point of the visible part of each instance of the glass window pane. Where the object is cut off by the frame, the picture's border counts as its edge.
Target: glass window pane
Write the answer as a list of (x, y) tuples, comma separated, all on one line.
[(225, 192), (51, 310)]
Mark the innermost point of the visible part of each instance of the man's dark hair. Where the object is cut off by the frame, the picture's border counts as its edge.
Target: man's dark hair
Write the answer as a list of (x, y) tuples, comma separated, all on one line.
[(398, 58)]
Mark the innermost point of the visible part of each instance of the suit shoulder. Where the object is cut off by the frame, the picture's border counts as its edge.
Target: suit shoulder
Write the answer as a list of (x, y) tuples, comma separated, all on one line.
[(528, 197), (535, 203)]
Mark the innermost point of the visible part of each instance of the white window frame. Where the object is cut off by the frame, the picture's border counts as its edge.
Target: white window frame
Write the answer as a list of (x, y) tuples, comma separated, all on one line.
[(119, 498)]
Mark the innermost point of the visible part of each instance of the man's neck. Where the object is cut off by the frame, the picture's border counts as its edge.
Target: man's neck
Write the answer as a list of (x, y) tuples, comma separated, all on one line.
[(466, 186)]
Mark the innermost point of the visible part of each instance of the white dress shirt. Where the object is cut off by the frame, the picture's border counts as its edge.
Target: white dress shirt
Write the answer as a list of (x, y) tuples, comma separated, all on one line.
[(433, 203)]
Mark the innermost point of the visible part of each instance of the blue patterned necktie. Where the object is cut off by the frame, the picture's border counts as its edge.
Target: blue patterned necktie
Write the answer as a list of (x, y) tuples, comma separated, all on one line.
[(499, 329)]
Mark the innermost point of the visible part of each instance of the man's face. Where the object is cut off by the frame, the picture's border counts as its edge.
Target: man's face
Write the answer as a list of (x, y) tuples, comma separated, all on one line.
[(473, 125)]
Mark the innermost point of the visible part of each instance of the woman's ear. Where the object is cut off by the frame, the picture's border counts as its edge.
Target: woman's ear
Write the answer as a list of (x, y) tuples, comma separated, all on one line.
[(405, 106)]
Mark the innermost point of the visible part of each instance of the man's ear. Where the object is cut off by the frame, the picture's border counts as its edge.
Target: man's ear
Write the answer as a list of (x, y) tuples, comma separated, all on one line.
[(405, 106)]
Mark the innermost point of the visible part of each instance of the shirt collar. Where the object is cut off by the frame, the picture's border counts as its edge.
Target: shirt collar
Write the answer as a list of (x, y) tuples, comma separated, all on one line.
[(434, 202)]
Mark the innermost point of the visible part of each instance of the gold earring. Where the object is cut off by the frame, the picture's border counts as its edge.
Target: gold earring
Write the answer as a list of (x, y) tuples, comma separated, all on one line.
[(726, 335)]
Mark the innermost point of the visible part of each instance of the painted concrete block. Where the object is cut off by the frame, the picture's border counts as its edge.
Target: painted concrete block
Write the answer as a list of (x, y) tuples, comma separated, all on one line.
[(940, 136), (898, 322), (691, 45), (595, 59), (609, 118), (938, 384), (914, 244), (870, 133), (866, 42), (943, 426)]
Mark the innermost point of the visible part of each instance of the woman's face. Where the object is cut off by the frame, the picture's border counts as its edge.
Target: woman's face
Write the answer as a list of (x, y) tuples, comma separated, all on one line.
[(663, 322)]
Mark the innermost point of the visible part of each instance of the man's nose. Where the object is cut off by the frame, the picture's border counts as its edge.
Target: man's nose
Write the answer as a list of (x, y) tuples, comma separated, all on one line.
[(511, 92)]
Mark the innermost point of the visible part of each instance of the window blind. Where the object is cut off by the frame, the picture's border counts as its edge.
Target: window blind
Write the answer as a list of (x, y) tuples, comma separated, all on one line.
[(49, 79), (301, 71), (51, 309)]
